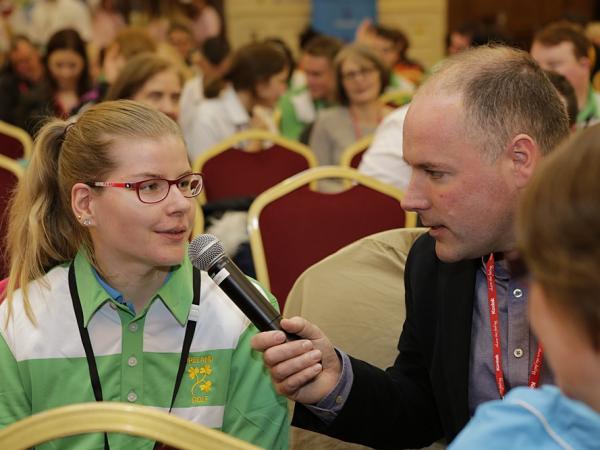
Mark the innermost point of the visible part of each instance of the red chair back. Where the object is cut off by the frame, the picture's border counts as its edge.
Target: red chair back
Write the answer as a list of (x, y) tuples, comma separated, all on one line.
[(304, 226), (357, 158), (238, 173), (8, 182), (11, 147)]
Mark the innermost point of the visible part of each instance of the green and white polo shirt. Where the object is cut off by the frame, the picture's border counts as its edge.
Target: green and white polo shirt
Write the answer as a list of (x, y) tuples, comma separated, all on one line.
[(225, 385)]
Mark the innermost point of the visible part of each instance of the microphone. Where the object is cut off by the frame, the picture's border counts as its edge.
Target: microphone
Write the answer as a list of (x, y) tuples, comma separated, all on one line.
[(207, 253)]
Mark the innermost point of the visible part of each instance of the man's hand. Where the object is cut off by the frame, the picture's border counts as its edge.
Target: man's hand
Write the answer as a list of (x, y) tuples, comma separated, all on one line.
[(305, 370)]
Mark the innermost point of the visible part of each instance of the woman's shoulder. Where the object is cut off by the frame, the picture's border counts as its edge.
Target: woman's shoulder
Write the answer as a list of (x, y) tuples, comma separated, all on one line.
[(525, 419)]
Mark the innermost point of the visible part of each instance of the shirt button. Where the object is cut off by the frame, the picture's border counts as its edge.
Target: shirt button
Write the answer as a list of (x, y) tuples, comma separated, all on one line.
[(132, 361), (518, 293), (131, 397), (518, 352), (339, 400), (112, 305), (133, 327)]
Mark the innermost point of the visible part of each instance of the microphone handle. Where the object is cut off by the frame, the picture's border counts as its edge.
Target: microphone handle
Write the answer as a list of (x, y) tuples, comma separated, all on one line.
[(246, 296)]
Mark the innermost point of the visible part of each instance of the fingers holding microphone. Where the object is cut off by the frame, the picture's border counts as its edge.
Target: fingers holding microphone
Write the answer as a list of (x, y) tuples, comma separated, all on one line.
[(304, 370)]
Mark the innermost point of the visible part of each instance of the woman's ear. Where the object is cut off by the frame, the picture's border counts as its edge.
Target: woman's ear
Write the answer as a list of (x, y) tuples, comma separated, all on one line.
[(82, 203)]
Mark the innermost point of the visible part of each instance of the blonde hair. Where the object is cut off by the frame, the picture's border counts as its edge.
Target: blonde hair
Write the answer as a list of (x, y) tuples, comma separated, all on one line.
[(559, 229), (42, 229)]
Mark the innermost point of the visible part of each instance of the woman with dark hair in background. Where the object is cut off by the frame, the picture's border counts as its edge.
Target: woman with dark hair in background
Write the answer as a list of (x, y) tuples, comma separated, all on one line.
[(66, 83), (242, 99)]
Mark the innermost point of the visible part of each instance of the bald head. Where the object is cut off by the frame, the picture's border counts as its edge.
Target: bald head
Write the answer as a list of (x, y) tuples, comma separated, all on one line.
[(502, 92)]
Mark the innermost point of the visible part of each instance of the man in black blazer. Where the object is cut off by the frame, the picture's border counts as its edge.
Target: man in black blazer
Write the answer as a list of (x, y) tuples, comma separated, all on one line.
[(473, 135)]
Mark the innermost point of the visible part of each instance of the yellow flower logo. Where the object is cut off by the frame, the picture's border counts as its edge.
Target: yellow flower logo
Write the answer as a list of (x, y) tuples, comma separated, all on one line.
[(200, 375)]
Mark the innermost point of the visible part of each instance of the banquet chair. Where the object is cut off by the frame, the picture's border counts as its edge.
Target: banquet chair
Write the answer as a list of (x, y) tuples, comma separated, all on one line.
[(356, 297), (229, 171), (353, 154), (115, 417), (293, 225), (14, 142), (10, 173)]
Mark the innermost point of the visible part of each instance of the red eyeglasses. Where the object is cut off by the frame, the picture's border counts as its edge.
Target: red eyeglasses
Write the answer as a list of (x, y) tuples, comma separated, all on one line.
[(155, 190)]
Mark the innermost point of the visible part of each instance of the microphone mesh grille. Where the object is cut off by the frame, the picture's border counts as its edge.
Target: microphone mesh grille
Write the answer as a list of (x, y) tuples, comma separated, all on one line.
[(205, 250)]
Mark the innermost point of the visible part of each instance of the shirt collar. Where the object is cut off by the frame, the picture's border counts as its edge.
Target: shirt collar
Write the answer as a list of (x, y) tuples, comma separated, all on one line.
[(236, 111), (590, 110), (176, 293)]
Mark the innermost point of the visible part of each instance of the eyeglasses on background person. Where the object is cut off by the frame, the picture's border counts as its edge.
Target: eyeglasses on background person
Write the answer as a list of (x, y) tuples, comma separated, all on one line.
[(354, 74), (155, 190)]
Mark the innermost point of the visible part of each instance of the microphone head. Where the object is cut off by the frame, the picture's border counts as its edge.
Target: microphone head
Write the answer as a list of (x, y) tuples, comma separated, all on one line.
[(205, 250)]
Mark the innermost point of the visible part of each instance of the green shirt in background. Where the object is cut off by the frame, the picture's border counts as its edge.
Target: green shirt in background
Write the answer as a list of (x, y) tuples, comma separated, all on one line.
[(298, 110)]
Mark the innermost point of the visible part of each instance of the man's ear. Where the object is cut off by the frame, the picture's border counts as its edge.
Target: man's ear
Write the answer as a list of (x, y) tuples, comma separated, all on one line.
[(524, 155), (82, 203)]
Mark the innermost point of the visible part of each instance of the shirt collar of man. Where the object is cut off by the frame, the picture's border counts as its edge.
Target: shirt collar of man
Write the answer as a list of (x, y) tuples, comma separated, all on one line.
[(176, 293)]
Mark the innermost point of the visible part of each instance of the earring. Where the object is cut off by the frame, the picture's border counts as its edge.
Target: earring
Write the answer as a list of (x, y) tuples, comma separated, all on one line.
[(79, 218), (87, 222)]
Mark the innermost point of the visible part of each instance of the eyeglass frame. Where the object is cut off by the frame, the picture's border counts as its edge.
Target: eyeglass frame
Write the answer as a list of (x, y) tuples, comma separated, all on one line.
[(136, 185), (354, 74)]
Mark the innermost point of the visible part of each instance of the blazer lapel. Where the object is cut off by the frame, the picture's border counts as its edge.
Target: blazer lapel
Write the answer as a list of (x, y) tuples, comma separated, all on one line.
[(456, 292)]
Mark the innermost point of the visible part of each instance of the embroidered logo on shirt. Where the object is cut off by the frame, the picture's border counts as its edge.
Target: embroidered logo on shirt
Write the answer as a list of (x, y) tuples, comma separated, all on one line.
[(200, 375)]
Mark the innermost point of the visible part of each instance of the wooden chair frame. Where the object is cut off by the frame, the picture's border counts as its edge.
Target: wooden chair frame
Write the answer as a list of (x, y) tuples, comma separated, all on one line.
[(19, 134), (308, 177), (252, 134), (115, 417), (350, 151), (11, 165)]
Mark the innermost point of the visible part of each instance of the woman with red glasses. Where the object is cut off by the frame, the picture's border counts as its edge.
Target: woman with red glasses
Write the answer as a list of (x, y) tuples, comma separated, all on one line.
[(559, 238), (103, 302)]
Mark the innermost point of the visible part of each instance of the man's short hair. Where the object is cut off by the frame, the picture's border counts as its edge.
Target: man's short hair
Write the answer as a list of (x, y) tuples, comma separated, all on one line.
[(503, 93), (323, 47), (559, 32)]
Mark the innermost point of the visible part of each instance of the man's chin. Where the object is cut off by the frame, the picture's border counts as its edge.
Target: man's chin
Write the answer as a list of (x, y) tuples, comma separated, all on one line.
[(447, 253)]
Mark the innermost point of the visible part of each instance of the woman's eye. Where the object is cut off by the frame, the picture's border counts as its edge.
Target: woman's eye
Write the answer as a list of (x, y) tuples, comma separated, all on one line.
[(149, 187)]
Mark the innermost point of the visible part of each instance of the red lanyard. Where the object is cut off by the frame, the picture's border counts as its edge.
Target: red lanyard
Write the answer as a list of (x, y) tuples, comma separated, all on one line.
[(534, 376)]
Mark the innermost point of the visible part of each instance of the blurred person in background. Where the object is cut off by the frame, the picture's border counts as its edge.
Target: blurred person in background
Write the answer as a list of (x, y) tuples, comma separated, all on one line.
[(51, 16), (299, 106), (22, 71), (391, 44), (243, 98), (564, 48), (361, 77), (181, 38), (150, 79), (66, 84), (107, 21), (212, 61)]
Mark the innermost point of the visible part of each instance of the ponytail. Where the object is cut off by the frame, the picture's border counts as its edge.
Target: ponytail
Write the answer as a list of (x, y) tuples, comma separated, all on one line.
[(41, 227)]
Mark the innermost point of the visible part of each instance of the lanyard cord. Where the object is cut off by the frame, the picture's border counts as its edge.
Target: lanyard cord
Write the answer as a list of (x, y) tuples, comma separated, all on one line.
[(89, 352), (534, 376)]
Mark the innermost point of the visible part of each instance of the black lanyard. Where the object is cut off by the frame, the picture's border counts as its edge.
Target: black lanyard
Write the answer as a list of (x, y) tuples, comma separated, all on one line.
[(89, 352)]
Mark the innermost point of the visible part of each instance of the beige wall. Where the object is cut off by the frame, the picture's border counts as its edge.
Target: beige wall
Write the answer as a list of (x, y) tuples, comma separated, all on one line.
[(423, 20)]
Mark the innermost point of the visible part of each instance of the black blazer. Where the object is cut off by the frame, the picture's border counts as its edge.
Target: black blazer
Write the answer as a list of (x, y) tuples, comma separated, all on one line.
[(423, 397)]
